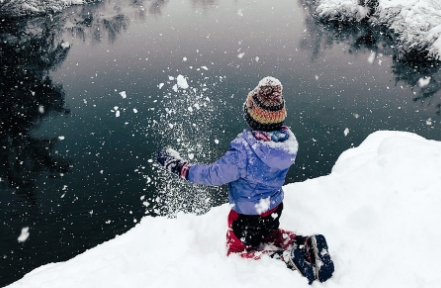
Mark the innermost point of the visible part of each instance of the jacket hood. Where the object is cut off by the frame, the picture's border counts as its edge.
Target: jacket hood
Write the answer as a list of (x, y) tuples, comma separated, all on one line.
[(276, 149)]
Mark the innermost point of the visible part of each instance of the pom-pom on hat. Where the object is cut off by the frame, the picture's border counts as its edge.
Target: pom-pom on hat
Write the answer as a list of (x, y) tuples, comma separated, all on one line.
[(265, 106)]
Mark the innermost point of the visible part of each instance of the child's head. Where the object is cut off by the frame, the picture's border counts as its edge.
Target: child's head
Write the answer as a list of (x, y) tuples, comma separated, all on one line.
[(265, 106)]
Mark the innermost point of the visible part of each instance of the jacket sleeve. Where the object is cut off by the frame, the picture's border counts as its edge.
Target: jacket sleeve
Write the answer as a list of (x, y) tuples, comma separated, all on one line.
[(228, 168)]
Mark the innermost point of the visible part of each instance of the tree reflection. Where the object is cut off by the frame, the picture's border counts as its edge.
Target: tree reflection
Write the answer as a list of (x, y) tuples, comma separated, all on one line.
[(409, 66), (92, 21), (29, 48), (87, 23)]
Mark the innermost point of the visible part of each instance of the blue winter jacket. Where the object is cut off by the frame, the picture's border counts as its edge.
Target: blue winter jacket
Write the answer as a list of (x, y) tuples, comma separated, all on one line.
[(254, 168)]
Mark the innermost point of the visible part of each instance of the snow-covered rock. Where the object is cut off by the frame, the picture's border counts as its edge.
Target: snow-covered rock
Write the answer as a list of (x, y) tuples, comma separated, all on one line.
[(14, 8), (379, 209), (416, 22)]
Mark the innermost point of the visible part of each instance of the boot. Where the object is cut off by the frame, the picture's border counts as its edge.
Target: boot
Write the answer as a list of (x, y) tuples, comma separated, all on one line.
[(294, 260), (316, 251)]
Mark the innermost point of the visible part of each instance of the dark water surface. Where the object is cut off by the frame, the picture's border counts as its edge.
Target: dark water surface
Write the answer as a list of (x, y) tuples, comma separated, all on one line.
[(89, 95)]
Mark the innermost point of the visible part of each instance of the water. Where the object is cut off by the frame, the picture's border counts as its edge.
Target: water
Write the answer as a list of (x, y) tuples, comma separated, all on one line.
[(89, 96)]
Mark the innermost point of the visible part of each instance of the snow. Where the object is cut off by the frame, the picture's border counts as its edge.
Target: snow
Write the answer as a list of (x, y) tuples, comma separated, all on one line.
[(379, 210), (65, 45), (17, 8), (24, 235), (182, 82), (423, 82), (372, 57), (263, 205), (123, 94), (416, 22)]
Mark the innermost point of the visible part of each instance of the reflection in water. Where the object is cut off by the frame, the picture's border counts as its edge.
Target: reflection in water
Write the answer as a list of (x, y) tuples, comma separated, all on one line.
[(412, 67), (29, 48), (155, 7), (86, 23), (413, 71)]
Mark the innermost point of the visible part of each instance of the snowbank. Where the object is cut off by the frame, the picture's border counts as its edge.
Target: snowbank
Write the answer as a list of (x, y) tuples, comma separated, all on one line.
[(15, 8), (379, 209), (416, 22)]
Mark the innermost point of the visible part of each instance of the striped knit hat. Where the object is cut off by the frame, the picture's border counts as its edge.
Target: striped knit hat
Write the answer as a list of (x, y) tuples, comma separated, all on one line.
[(265, 106)]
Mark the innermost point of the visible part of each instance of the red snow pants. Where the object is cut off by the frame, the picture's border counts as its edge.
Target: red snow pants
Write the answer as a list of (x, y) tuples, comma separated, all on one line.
[(247, 232)]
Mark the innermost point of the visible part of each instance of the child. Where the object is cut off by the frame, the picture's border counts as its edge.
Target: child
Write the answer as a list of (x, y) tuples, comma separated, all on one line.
[(255, 167)]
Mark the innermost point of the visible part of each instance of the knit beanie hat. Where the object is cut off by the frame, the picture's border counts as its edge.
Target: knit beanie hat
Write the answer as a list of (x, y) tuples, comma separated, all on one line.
[(265, 106)]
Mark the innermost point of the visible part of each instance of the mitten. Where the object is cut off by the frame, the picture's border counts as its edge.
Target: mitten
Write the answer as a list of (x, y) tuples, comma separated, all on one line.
[(171, 161)]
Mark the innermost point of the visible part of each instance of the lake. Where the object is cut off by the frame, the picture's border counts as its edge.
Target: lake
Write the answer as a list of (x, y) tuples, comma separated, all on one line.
[(89, 95)]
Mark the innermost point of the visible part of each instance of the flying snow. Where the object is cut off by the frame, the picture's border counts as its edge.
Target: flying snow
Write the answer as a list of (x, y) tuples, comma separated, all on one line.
[(123, 94), (24, 235), (64, 45), (263, 205), (182, 82), (429, 122), (372, 57), (424, 81)]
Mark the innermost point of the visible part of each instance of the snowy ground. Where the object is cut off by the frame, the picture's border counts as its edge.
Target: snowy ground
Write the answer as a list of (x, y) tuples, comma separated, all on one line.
[(379, 209), (14, 8), (417, 23)]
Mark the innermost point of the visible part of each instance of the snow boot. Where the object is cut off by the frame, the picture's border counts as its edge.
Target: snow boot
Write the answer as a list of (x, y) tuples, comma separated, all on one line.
[(295, 260), (316, 250)]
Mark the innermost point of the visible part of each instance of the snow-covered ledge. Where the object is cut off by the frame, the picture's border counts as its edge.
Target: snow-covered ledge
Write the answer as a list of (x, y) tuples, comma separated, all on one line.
[(379, 209), (16, 8), (416, 22)]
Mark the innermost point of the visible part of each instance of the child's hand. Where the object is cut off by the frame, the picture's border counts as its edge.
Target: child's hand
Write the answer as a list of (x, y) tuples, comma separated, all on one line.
[(170, 160)]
